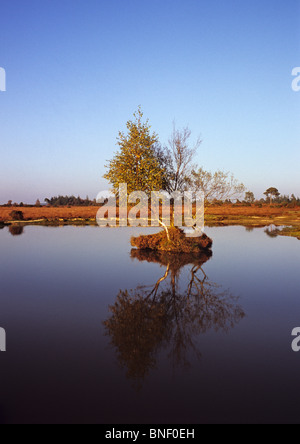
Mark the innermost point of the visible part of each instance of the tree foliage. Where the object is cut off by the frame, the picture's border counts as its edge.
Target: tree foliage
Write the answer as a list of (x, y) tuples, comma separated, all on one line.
[(249, 197), (137, 163), (272, 192), (144, 165), (69, 200)]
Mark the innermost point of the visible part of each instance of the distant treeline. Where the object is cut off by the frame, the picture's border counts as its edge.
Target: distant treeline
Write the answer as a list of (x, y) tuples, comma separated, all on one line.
[(280, 201), (287, 200), (70, 201), (60, 201)]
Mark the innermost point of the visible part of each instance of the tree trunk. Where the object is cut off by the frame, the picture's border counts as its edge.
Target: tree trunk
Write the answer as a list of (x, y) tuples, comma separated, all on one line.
[(166, 229)]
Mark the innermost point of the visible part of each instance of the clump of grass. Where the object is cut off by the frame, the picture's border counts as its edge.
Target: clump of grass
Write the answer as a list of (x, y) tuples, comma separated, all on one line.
[(178, 243), (17, 215)]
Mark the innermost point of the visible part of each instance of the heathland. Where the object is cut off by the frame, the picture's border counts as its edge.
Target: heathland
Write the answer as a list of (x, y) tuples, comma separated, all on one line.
[(251, 216)]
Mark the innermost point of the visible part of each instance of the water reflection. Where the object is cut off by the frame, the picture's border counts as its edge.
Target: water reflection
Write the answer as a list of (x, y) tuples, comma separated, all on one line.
[(16, 230), (272, 231), (170, 314)]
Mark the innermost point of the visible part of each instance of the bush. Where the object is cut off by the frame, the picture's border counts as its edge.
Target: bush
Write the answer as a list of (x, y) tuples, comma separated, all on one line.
[(17, 215)]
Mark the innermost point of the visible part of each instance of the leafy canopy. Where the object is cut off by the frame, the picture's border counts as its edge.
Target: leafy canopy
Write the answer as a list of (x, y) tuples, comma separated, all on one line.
[(272, 192), (137, 162)]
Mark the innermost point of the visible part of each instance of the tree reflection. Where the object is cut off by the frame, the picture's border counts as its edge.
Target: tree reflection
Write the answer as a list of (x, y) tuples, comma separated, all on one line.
[(168, 315)]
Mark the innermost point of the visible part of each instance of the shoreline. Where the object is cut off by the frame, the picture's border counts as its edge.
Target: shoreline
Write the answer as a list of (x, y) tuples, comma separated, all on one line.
[(215, 216)]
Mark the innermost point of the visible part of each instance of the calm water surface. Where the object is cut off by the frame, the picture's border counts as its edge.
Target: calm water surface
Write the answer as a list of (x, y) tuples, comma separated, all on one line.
[(97, 333)]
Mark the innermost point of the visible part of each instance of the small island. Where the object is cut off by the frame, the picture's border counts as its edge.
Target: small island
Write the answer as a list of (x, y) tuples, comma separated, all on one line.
[(176, 242)]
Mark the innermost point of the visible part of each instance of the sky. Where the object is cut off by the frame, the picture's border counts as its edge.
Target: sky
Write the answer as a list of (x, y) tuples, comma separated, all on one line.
[(77, 70)]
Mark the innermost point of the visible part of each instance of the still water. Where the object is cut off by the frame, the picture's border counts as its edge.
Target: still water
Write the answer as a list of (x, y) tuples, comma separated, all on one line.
[(97, 333)]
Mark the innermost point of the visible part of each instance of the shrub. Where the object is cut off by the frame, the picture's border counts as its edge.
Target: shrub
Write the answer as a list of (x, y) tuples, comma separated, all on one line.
[(17, 215)]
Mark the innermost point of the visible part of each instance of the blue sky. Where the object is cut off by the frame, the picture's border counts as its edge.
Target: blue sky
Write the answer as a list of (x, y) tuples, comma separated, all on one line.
[(78, 69)]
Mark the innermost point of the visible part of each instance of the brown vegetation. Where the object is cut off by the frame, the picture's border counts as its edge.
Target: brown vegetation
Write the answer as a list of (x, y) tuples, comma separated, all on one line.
[(16, 230), (174, 261), (178, 242), (52, 213), (16, 215), (49, 213), (218, 215)]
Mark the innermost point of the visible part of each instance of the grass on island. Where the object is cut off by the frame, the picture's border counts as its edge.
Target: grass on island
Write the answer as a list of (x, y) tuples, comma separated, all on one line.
[(177, 242)]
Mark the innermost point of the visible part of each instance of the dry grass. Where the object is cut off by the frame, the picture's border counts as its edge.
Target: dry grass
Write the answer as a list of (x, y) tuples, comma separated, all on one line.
[(178, 243), (215, 215), (264, 211), (50, 213)]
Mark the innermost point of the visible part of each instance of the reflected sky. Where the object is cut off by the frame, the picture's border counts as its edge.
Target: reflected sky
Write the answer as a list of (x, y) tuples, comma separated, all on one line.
[(57, 287)]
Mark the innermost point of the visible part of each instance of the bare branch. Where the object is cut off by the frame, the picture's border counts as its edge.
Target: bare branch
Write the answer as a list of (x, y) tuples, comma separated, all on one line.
[(182, 156), (216, 186)]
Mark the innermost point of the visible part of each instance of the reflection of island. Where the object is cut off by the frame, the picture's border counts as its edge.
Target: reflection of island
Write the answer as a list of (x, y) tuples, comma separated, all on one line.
[(16, 230), (272, 231), (146, 320)]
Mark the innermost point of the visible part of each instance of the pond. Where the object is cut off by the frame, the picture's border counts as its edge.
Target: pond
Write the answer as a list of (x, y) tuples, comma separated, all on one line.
[(97, 333)]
